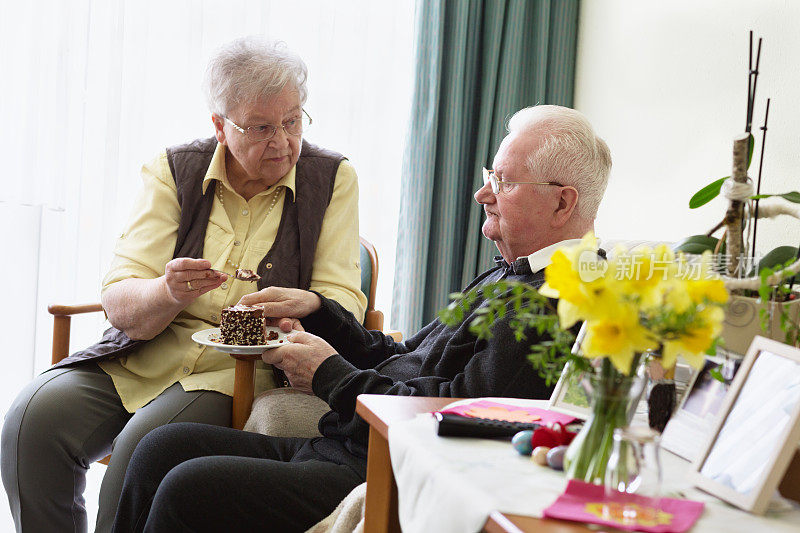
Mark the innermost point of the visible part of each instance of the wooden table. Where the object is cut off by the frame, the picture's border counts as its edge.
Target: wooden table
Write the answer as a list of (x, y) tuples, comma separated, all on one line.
[(379, 412)]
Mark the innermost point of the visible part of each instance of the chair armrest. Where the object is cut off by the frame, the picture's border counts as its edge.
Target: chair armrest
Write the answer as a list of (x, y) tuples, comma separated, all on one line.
[(67, 310), (62, 315), (393, 333), (373, 320)]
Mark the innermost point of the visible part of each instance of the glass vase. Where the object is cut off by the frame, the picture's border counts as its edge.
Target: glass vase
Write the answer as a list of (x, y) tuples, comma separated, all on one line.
[(634, 468), (613, 398)]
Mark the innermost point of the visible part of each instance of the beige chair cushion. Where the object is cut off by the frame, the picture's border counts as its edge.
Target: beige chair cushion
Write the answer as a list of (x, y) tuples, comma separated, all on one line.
[(286, 412)]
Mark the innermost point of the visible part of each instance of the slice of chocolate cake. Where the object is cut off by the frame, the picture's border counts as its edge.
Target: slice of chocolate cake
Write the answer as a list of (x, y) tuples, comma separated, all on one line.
[(242, 325), (245, 274)]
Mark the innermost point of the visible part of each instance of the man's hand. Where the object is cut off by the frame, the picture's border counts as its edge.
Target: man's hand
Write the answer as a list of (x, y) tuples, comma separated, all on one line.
[(285, 324), (283, 304), (300, 359), (185, 279)]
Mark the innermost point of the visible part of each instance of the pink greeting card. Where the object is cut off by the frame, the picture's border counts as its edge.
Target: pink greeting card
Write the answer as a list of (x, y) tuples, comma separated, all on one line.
[(510, 413), (584, 502)]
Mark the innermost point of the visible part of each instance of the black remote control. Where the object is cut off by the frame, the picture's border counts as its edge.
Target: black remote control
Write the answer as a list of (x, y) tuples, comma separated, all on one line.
[(452, 425)]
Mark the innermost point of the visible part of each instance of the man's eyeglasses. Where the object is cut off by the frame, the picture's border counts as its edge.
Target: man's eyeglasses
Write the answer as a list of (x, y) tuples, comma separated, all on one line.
[(293, 126), (503, 185)]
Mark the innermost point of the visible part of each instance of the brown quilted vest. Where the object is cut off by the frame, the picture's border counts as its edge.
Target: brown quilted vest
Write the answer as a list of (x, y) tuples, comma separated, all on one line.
[(292, 253)]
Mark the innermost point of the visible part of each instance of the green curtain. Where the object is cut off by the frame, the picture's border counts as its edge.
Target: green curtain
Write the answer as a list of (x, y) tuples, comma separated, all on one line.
[(477, 62)]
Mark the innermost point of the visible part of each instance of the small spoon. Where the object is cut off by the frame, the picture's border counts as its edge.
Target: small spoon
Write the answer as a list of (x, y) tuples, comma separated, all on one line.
[(242, 274)]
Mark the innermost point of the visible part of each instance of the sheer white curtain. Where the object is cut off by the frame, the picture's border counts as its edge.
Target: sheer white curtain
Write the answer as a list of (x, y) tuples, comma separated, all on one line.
[(91, 89)]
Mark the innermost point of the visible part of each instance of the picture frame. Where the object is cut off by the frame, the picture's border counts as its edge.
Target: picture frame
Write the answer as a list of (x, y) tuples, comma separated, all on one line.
[(689, 425), (757, 430), (569, 396)]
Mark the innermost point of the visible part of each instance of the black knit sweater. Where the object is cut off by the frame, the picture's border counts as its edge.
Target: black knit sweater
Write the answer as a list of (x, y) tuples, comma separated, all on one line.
[(437, 361)]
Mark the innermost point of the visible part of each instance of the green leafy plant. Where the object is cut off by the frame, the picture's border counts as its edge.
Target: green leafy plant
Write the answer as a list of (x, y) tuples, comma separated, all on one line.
[(778, 295), (712, 190), (529, 311), (716, 373)]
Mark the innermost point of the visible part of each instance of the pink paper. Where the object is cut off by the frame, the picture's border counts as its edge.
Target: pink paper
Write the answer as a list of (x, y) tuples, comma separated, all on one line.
[(513, 413), (584, 502)]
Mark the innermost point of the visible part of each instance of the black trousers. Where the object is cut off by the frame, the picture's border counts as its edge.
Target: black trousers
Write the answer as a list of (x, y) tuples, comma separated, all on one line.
[(197, 477)]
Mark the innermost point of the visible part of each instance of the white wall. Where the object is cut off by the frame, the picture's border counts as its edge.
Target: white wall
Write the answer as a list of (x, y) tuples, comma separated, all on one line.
[(665, 83)]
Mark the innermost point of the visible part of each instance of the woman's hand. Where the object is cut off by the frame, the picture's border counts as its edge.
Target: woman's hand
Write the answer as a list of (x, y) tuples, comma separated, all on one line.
[(283, 304), (187, 278), (143, 308)]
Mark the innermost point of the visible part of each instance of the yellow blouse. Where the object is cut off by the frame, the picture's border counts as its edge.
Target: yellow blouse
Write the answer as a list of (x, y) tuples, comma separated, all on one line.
[(239, 233)]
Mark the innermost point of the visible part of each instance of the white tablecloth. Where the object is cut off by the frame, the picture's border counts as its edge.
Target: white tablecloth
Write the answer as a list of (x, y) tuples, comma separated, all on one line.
[(452, 484)]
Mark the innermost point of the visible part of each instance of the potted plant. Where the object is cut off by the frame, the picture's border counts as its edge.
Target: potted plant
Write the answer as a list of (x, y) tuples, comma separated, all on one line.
[(763, 299)]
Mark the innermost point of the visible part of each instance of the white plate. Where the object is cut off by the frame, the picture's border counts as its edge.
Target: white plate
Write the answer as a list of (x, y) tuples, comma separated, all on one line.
[(204, 337)]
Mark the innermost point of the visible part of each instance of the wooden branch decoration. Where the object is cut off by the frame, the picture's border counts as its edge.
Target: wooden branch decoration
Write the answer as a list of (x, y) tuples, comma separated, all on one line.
[(733, 217), (760, 168), (747, 123)]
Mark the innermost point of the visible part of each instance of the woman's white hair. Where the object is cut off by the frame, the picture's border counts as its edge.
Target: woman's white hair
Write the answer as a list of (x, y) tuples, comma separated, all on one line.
[(569, 153), (250, 69)]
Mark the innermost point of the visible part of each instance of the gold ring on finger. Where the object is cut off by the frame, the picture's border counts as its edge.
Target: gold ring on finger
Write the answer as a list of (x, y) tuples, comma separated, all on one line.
[(189, 284)]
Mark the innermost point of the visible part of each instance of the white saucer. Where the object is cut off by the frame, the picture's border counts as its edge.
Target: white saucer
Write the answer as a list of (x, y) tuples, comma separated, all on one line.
[(205, 338)]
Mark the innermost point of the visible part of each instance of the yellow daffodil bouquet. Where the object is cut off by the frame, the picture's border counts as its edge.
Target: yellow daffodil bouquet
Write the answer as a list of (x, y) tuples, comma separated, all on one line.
[(636, 304)]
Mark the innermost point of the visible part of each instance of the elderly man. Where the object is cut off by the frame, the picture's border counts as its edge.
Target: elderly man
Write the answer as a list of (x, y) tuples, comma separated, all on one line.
[(252, 197), (548, 178)]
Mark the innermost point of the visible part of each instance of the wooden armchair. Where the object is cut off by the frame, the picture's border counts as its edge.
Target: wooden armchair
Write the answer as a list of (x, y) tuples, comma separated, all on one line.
[(244, 374)]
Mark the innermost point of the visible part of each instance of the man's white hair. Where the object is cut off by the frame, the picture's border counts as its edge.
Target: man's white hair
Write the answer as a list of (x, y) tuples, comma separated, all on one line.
[(250, 69), (570, 152)]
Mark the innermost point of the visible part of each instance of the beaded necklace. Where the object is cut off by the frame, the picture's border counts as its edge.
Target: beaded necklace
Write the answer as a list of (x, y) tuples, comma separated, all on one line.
[(275, 196)]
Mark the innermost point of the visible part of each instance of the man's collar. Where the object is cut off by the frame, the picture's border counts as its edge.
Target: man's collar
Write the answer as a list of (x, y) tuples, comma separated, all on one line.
[(216, 171), (539, 259)]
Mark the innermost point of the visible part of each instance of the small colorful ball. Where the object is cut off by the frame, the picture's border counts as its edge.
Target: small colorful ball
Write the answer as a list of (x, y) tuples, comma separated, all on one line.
[(522, 442), (555, 457), (540, 455)]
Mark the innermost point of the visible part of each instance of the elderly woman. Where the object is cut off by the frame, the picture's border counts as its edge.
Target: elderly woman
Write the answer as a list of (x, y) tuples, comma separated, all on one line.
[(257, 197)]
